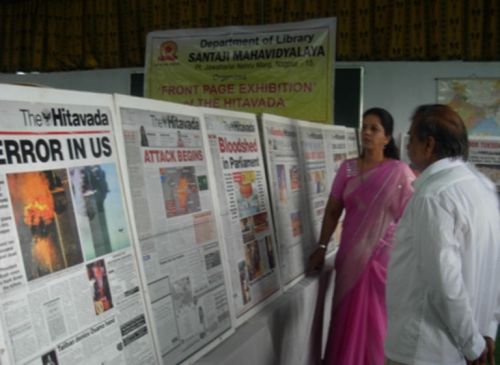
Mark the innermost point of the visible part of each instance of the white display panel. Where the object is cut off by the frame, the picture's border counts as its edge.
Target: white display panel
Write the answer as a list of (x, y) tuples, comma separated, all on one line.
[(312, 143), (69, 284), (403, 151), (245, 208), (352, 143), (284, 164), (484, 153), (171, 191), (336, 153), (302, 158)]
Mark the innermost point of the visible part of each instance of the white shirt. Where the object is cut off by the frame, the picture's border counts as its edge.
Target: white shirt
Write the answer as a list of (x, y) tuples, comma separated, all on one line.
[(443, 286)]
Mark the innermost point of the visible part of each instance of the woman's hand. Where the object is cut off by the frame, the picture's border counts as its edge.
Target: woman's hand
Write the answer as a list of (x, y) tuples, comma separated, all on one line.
[(316, 260)]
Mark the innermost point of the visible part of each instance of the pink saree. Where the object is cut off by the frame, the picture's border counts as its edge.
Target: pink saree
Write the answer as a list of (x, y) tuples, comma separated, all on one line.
[(373, 201)]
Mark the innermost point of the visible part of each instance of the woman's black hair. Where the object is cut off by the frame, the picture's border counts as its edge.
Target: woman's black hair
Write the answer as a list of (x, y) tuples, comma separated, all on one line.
[(390, 150)]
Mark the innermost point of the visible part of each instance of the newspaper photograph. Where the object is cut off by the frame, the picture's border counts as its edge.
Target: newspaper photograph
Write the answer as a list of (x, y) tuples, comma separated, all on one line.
[(175, 223), (246, 213), (69, 283)]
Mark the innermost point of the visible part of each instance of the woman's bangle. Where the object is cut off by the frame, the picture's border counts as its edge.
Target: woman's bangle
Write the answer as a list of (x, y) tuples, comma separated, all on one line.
[(322, 245)]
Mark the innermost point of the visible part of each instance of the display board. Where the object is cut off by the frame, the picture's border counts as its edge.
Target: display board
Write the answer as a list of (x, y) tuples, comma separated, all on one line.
[(312, 147), (336, 149), (484, 153), (245, 208), (336, 153), (300, 163), (286, 69), (403, 150), (352, 144), (138, 231), (172, 194), (69, 284), (284, 166)]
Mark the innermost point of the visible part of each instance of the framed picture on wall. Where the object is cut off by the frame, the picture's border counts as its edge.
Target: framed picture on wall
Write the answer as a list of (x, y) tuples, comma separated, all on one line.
[(476, 100)]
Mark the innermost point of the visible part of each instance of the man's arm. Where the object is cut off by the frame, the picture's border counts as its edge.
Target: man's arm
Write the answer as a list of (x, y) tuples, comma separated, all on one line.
[(440, 264)]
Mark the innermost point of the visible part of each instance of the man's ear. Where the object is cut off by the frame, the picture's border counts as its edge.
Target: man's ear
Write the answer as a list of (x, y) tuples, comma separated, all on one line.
[(430, 145)]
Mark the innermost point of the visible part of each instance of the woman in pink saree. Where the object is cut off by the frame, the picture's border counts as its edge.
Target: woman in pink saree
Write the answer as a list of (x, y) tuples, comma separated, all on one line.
[(374, 190)]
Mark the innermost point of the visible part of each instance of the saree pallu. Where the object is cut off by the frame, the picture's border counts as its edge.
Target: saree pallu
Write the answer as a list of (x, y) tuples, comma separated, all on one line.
[(373, 200)]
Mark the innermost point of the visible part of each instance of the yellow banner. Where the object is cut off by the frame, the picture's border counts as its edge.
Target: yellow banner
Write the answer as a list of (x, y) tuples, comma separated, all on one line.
[(284, 69)]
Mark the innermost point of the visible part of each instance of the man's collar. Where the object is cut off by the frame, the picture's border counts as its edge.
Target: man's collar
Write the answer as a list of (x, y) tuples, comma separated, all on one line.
[(435, 167)]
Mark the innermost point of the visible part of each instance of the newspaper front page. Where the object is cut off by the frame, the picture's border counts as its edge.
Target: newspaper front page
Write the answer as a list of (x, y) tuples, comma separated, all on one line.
[(351, 143), (69, 286), (336, 153), (484, 153), (313, 154), (403, 150), (245, 207), (287, 181), (172, 200), (302, 160)]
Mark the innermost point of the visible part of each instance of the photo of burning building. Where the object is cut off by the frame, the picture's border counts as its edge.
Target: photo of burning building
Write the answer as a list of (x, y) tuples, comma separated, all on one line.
[(100, 214), (45, 221), (180, 191)]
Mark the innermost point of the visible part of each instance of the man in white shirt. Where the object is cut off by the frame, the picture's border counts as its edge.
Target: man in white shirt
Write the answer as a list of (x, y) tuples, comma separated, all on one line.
[(443, 286)]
